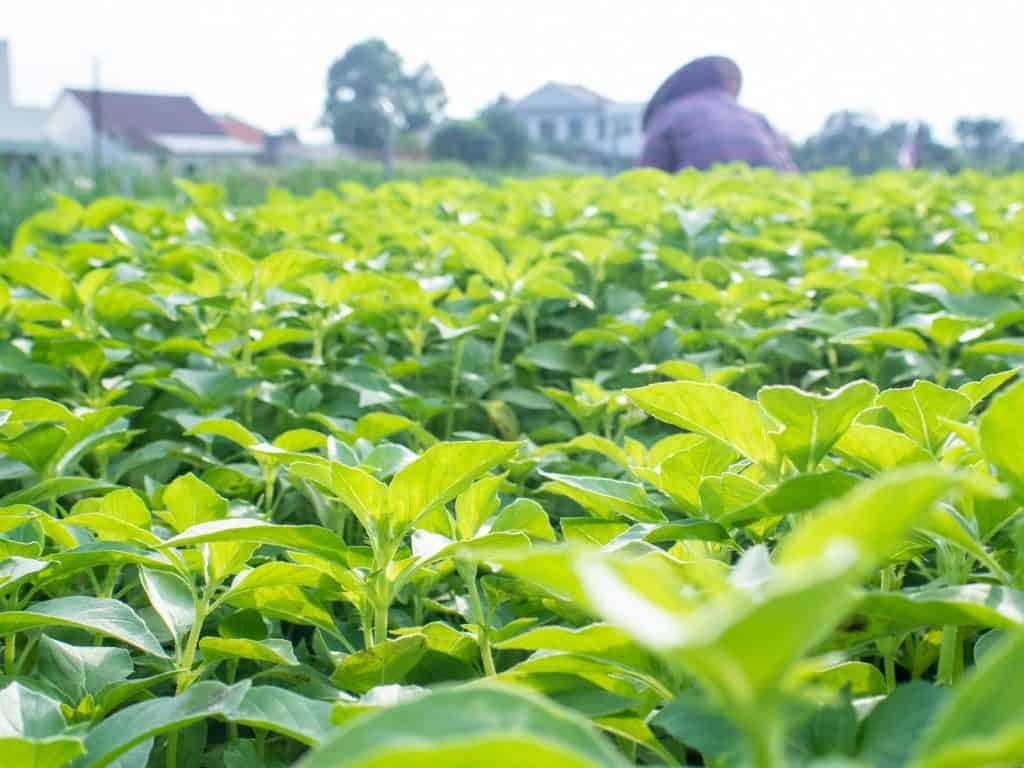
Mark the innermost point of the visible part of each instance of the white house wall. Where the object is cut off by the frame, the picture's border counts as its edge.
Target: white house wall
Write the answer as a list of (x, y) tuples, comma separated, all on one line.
[(627, 145), (69, 130)]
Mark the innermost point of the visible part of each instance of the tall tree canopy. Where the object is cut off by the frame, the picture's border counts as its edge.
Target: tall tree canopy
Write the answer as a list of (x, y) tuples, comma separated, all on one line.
[(368, 80)]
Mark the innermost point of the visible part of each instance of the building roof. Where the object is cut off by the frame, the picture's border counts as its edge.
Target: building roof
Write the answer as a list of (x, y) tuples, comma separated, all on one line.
[(241, 130), (557, 96), (132, 118)]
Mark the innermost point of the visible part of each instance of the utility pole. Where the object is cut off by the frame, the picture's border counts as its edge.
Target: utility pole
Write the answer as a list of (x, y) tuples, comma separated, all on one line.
[(389, 148), (97, 125), (387, 108)]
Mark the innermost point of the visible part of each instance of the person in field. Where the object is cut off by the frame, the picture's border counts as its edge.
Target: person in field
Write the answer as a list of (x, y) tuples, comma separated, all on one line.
[(694, 121)]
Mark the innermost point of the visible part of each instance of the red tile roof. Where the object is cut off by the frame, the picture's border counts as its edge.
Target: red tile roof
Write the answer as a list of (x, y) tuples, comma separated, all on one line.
[(240, 130)]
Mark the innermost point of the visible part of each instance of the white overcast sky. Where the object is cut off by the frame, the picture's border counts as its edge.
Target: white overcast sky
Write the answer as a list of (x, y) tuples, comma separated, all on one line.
[(265, 61)]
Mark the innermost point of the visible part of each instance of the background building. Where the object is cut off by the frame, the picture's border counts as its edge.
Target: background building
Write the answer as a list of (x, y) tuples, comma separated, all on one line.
[(22, 129), (558, 113), (147, 129)]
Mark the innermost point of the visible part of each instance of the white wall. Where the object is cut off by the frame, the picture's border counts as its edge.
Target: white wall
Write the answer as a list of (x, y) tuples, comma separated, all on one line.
[(628, 145), (6, 100), (69, 130)]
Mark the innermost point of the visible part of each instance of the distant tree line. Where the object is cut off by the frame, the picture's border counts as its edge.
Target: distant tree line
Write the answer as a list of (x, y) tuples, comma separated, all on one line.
[(865, 145), (371, 95)]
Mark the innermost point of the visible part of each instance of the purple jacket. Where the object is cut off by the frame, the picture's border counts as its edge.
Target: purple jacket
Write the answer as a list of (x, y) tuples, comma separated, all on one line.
[(709, 127)]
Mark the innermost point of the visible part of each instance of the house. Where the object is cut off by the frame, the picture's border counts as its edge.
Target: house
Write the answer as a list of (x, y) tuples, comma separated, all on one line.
[(309, 145), (22, 129), (558, 113), (142, 129), (243, 131)]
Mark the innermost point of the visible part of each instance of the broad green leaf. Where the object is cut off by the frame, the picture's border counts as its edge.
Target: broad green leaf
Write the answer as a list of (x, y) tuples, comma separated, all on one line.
[(694, 721), (874, 518), (172, 599), (728, 494), (601, 445), (681, 474), (890, 733), (591, 531), (605, 498), (738, 647), (112, 528), (713, 411), (526, 516), (860, 678), (96, 615), (287, 603), (280, 710), (477, 504), (358, 490), (56, 488), (303, 538), (500, 726), (125, 504), (25, 712), (873, 339), (383, 664), (268, 651), (274, 574), (917, 409), (54, 752), (226, 428), (443, 472), (982, 722), (33, 731), (78, 671), (812, 423), (15, 571), (190, 502), (874, 449), (601, 641), (981, 605), (132, 725), (793, 496), (44, 278), (977, 391), (1002, 439)]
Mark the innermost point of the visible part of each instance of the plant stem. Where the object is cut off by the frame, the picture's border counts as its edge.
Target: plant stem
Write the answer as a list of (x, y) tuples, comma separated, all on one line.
[(453, 387), (889, 646), (767, 745), (948, 655), (172, 750), (952, 563), (184, 671), (231, 673), (499, 340), (367, 622), (468, 573), (380, 624), (268, 492), (9, 646)]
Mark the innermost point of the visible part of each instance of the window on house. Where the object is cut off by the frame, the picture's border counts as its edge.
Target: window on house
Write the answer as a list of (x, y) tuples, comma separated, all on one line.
[(547, 130), (601, 128), (576, 129), (624, 127)]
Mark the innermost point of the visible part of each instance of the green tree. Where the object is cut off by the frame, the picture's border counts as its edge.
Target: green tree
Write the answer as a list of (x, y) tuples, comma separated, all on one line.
[(510, 131), (466, 141), (367, 83), (985, 143)]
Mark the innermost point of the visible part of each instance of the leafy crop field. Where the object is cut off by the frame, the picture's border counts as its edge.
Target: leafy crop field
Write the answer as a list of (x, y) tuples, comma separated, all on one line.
[(719, 469)]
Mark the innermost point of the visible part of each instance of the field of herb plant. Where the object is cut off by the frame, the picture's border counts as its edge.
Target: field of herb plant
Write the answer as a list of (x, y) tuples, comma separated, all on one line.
[(720, 469)]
